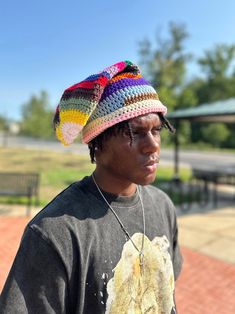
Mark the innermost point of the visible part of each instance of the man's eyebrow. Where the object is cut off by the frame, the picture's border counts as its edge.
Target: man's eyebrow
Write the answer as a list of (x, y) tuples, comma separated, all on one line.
[(137, 127), (140, 128)]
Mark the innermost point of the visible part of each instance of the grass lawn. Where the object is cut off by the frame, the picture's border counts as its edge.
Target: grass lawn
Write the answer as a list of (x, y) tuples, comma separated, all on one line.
[(57, 170)]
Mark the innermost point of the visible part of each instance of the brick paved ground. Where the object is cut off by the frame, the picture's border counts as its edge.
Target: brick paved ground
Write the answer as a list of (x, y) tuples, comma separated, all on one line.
[(205, 286), (11, 229)]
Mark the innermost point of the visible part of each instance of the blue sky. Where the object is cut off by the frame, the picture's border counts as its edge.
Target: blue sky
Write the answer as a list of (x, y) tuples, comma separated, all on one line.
[(50, 45)]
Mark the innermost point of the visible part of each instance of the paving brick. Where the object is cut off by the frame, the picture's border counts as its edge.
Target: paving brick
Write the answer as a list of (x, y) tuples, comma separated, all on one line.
[(206, 285), (11, 229)]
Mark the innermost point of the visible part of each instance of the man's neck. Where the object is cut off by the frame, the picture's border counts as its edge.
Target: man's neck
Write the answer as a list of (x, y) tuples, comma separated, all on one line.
[(114, 185)]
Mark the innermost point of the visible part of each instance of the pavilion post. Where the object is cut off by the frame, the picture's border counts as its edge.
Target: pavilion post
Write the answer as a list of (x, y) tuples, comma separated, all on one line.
[(176, 152)]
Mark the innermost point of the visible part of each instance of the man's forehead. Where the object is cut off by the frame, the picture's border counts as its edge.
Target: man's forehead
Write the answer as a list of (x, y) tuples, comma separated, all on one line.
[(142, 119)]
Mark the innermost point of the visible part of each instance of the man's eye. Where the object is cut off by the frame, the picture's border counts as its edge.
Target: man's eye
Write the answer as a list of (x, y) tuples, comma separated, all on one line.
[(157, 130), (126, 133), (139, 134)]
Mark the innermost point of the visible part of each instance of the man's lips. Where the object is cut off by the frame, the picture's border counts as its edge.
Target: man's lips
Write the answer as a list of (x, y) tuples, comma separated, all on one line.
[(151, 165), (151, 162)]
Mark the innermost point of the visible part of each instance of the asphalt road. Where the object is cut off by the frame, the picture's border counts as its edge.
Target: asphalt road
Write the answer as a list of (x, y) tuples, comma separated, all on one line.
[(200, 159), (193, 158)]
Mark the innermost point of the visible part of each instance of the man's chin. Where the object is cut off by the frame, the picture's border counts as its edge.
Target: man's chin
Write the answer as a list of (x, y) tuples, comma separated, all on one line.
[(147, 180)]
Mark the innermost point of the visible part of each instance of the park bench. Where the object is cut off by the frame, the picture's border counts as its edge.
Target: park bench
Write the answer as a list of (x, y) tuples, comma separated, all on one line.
[(20, 184), (201, 188), (213, 176)]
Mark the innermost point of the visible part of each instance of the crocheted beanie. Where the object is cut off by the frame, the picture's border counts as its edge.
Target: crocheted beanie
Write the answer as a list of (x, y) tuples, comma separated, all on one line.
[(102, 100)]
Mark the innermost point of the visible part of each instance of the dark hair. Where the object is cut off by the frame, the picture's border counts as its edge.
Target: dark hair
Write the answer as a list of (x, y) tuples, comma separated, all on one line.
[(120, 128)]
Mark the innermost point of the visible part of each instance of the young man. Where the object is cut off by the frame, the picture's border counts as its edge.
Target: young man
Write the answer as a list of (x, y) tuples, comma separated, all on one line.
[(107, 244)]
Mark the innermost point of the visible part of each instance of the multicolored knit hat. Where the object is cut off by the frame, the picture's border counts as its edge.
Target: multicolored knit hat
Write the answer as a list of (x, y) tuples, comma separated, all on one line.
[(102, 100)]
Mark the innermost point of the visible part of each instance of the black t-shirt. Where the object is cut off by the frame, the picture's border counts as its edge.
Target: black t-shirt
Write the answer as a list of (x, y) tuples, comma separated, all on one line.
[(75, 258)]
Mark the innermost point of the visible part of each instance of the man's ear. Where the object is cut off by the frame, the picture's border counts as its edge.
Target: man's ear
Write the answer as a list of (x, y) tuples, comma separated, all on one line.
[(97, 154)]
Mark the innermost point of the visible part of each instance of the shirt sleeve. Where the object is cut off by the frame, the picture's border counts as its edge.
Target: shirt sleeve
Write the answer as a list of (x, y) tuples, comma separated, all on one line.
[(37, 282), (177, 256)]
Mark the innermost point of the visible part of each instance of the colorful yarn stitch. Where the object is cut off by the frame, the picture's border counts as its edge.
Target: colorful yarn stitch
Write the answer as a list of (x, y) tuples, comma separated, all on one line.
[(116, 94)]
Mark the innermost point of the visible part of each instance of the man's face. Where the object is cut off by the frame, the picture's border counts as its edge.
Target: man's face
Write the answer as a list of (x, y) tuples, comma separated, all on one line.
[(136, 161)]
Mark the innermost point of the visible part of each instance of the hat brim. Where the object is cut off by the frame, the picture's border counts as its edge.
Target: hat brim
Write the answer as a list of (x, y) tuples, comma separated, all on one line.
[(99, 125)]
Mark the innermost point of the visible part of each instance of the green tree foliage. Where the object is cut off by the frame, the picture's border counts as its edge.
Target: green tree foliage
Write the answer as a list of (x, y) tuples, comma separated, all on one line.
[(215, 133), (37, 117), (218, 84), (3, 123), (218, 66), (230, 141), (166, 64), (217, 62)]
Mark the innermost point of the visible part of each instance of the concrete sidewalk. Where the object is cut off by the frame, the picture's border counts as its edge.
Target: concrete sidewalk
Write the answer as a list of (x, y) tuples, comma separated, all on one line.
[(210, 231)]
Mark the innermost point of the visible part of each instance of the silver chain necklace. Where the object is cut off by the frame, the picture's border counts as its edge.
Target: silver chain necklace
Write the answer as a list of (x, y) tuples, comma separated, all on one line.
[(141, 250)]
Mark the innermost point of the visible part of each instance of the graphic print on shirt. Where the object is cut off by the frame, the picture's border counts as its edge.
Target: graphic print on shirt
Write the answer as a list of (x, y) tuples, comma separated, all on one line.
[(131, 291)]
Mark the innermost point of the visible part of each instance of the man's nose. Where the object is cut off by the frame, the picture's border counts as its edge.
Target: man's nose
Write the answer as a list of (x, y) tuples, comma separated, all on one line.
[(151, 143)]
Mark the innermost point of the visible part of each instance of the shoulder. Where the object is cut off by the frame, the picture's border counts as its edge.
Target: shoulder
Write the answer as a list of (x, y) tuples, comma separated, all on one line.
[(65, 212), (156, 194), (66, 202), (160, 201)]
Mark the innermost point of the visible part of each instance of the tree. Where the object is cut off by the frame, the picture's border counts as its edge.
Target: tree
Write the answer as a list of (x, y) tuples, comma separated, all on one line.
[(230, 141), (37, 117), (165, 66), (218, 65), (3, 123), (215, 133), (217, 62), (218, 84)]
